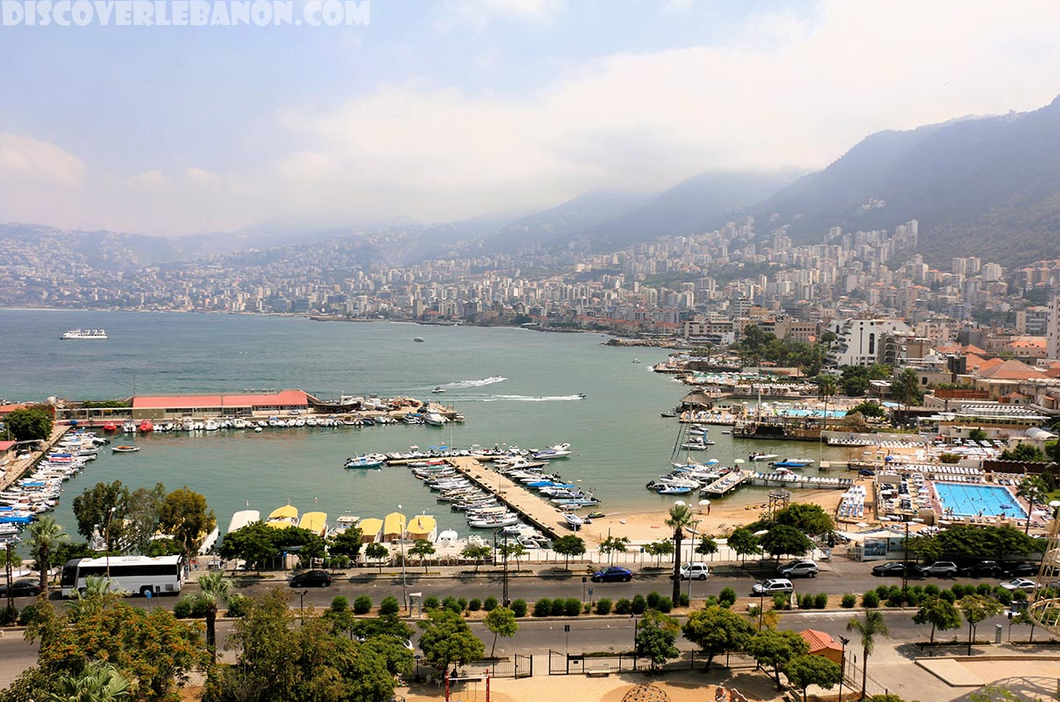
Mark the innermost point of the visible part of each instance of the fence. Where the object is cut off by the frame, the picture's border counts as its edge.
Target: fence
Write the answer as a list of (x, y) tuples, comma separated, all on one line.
[(517, 666), (560, 663), (852, 677)]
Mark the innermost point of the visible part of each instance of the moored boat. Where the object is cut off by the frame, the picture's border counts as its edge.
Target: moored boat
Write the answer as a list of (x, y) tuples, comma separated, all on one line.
[(125, 449), (371, 460)]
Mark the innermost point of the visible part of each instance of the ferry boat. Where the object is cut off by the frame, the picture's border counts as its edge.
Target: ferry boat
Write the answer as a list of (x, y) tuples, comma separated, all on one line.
[(85, 334)]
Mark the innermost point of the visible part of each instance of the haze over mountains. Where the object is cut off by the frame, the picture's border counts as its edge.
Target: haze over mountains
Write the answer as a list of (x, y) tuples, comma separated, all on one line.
[(986, 186)]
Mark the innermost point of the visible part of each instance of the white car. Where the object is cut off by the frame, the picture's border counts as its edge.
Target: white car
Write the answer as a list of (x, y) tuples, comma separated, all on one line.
[(1018, 584), (694, 571), (772, 586)]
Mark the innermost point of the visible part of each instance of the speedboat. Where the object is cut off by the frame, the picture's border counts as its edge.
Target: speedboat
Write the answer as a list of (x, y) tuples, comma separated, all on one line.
[(557, 451), (762, 456), (434, 419), (438, 390), (792, 463), (147, 426), (129, 427), (211, 425), (574, 521), (371, 460), (125, 449)]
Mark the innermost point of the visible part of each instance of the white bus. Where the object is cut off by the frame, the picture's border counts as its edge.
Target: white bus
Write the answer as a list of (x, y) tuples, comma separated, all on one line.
[(137, 575)]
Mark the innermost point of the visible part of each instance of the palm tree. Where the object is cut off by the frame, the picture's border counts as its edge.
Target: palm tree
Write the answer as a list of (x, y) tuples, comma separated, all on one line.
[(214, 588), (98, 682), (868, 629), (45, 535), (1033, 489), (680, 517), (826, 387)]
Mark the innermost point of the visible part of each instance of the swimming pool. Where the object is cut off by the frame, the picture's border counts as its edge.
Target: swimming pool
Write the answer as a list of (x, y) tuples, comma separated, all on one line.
[(967, 500)]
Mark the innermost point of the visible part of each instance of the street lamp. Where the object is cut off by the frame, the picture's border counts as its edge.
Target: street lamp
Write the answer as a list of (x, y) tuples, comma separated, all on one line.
[(842, 665), (106, 538), (636, 621), (404, 583), (694, 535), (905, 562), (301, 605)]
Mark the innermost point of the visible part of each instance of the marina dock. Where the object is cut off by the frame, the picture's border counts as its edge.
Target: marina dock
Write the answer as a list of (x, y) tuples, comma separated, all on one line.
[(799, 481), (726, 483), (18, 468), (532, 508)]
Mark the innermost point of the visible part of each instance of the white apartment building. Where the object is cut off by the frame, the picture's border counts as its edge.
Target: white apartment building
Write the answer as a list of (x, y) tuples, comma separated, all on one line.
[(860, 342)]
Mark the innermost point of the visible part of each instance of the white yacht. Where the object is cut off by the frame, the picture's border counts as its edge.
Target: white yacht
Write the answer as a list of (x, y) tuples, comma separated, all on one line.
[(85, 334)]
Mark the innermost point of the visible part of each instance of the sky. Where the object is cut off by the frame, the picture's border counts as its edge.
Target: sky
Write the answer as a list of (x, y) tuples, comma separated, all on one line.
[(441, 110)]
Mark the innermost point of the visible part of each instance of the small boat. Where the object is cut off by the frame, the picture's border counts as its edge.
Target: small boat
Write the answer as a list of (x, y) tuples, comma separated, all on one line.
[(581, 396), (110, 426), (146, 426), (418, 339), (125, 449), (129, 427), (574, 521), (434, 419), (438, 390), (211, 425), (371, 460), (594, 515), (668, 415), (792, 463), (636, 360), (762, 456)]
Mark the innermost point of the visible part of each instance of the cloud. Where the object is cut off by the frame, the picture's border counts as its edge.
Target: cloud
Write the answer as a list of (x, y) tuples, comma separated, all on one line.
[(481, 13), (786, 90), (33, 161)]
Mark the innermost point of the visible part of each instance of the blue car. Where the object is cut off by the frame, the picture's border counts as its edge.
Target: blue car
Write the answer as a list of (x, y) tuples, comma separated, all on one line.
[(612, 574)]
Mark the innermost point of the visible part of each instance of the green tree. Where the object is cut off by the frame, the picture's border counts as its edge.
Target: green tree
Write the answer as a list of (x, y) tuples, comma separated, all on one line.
[(253, 543), (977, 434), (422, 548), (98, 682), (975, 609), (348, 544), (500, 621), (806, 517), (906, 387), (707, 546), (868, 409), (29, 424), (679, 519), (744, 542), (97, 595), (717, 630), (143, 512), (658, 549), (655, 638), (214, 589), (1033, 489), (612, 545), (6, 555), (378, 553), (868, 629), (45, 536), (446, 639), (784, 540), (1023, 452), (939, 613), (775, 649), (102, 509), (476, 553), (186, 517), (568, 546), (806, 670)]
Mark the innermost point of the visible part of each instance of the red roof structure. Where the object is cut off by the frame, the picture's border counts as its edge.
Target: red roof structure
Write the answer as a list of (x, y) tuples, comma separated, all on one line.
[(822, 644), (284, 398)]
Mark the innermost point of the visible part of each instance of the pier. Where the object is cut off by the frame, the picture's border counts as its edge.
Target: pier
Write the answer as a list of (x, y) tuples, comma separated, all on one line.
[(20, 467), (532, 508), (799, 481), (726, 483)]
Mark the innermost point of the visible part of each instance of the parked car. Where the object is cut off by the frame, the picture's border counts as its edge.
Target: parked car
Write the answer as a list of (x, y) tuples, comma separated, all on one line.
[(889, 568), (1018, 584), (312, 578), (694, 571), (982, 569), (768, 587), (938, 569), (794, 569), (1019, 570), (612, 574), (23, 587)]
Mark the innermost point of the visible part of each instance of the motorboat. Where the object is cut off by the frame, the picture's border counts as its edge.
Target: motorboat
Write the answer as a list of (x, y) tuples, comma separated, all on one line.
[(762, 456), (84, 334), (146, 426), (792, 463), (438, 390), (573, 521), (434, 419), (557, 451), (125, 449), (129, 427), (110, 427), (211, 425), (371, 460), (418, 339)]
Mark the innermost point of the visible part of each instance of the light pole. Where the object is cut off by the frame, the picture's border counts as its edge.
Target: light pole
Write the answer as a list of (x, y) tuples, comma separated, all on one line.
[(905, 563), (693, 543), (636, 621), (404, 583), (106, 538), (301, 605), (842, 665)]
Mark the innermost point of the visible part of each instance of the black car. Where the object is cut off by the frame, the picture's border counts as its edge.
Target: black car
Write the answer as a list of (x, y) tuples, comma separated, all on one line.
[(982, 569), (1019, 570), (891, 568), (312, 578), (23, 587)]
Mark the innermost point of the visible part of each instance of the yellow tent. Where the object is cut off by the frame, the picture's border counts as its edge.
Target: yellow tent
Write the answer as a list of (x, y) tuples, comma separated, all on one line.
[(316, 522), (393, 526), (370, 529), (422, 527), (283, 517)]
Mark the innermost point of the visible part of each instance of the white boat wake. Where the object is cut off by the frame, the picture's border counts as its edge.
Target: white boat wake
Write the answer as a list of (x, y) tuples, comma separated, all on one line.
[(532, 398), (460, 384)]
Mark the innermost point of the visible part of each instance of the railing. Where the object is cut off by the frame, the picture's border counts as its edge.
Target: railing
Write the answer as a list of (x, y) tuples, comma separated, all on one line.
[(560, 663)]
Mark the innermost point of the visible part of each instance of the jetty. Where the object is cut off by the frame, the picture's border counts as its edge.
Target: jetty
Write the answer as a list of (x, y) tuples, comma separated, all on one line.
[(19, 467), (787, 479), (726, 483)]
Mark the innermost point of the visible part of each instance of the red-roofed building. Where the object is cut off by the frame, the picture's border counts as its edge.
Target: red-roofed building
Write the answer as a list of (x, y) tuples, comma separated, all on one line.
[(6, 447), (171, 407), (822, 644)]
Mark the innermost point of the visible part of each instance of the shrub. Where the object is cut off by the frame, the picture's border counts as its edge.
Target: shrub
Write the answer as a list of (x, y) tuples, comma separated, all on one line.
[(28, 615), (638, 604), (780, 600), (960, 591), (948, 596), (1004, 596), (490, 604), (727, 598), (653, 600), (463, 603), (475, 604), (684, 599), (519, 607), (8, 615), (431, 602), (820, 600), (239, 605), (849, 600), (586, 608), (452, 604), (572, 607), (870, 600), (603, 606), (363, 604), (986, 590), (339, 604), (895, 599), (931, 590), (806, 601), (182, 609), (623, 606), (543, 607), (1019, 596), (665, 605), (389, 605), (712, 601)]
